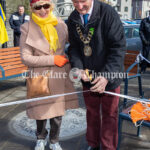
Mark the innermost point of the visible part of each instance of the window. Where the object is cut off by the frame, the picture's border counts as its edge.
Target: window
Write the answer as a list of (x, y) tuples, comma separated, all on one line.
[(137, 3), (127, 32), (119, 8), (135, 32), (126, 9)]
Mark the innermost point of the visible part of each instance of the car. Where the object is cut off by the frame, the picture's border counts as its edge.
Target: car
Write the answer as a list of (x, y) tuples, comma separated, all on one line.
[(130, 22), (126, 22), (138, 21), (133, 40)]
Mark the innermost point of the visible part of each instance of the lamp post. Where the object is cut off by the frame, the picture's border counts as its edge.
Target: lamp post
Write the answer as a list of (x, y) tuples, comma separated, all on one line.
[(3, 3)]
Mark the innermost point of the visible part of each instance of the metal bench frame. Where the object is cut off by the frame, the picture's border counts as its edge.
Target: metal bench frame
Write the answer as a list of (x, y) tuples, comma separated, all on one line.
[(122, 115)]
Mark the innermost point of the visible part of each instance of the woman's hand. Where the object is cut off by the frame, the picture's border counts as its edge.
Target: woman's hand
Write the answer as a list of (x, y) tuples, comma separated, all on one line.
[(60, 60)]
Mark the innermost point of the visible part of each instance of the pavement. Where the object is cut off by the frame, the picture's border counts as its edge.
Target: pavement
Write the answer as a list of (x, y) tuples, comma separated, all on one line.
[(14, 89)]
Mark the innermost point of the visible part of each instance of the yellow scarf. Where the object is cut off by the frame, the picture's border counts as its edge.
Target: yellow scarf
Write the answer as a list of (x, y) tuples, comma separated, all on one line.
[(47, 28)]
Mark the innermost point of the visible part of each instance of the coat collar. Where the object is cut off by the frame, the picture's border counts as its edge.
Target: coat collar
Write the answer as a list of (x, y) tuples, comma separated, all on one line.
[(96, 8), (36, 39)]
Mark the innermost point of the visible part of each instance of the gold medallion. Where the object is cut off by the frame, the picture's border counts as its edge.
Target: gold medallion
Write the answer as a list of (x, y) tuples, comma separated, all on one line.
[(87, 50)]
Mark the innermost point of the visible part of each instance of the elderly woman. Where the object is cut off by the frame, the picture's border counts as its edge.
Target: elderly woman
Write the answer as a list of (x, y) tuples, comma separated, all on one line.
[(42, 45)]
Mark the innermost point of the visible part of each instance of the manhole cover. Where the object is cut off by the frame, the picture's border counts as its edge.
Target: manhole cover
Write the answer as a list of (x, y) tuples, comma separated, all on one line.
[(73, 124)]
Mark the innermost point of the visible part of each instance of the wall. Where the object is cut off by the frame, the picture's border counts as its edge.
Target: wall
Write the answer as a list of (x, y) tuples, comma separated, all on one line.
[(124, 14), (146, 8)]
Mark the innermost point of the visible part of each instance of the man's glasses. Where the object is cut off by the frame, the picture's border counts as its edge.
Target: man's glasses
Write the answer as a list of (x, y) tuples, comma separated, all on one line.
[(45, 6)]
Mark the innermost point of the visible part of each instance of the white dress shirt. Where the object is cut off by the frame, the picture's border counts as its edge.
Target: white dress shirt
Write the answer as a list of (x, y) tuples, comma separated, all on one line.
[(89, 12)]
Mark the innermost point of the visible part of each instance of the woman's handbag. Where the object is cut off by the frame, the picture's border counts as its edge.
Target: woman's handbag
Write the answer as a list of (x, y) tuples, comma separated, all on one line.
[(38, 86)]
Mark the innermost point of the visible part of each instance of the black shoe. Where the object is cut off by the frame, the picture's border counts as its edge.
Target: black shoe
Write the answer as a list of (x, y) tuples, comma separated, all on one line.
[(93, 148)]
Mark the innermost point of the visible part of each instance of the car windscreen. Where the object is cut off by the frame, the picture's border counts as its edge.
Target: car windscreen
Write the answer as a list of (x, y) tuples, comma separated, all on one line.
[(135, 32), (127, 32)]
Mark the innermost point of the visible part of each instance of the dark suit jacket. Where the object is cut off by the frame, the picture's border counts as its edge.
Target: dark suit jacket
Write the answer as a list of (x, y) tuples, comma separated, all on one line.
[(108, 42)]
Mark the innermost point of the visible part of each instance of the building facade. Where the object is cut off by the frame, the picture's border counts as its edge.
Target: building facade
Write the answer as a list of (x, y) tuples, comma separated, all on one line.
[(140, 8), (124, 8)]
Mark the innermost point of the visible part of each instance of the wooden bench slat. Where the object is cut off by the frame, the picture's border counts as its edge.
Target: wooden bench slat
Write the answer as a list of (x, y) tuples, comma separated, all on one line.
[(13, 67), (9, 60), (132, 74), (9, 49), (130, 58), (9, 53), (11, 63), (9, 56), (134, 70), (132, 52), (14, 71)]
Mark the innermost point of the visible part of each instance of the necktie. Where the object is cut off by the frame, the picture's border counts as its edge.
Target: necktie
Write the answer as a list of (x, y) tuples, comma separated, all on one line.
[(85, 18)]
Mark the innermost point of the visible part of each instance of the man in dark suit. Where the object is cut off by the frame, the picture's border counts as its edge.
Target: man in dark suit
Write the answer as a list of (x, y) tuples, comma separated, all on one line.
[(97, 43)]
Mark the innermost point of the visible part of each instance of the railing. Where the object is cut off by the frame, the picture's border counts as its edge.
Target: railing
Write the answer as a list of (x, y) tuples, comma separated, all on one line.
[(63, 9)]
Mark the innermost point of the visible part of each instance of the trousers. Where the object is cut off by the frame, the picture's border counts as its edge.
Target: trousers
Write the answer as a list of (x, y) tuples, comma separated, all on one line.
[(16, 40), (102, 119), (145, 53), (42, 132)]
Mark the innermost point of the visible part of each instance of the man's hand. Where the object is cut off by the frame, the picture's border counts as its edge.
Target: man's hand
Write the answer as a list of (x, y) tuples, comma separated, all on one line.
[(100, 84), (83, 75)]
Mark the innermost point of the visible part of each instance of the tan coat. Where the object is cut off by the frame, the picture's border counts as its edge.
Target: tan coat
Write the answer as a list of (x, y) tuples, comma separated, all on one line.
[(36, 55)]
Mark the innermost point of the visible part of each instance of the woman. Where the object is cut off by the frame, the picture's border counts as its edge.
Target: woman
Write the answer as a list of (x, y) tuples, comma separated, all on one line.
[(42, 45)]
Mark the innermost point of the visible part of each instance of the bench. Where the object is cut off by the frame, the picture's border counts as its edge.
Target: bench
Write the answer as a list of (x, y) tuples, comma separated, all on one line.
[(129, 62), (133, 70), (11, 65)]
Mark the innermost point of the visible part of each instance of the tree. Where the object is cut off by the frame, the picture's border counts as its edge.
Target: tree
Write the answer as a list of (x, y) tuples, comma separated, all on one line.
[(26, 4)]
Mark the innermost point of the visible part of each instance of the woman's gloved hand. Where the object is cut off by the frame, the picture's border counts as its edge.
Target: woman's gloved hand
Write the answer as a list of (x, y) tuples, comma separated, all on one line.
[(60, 60)]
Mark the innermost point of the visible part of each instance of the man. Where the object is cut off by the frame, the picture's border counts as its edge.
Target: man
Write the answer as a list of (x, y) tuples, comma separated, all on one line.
[(97, 43), (145, 37), (15, 21)]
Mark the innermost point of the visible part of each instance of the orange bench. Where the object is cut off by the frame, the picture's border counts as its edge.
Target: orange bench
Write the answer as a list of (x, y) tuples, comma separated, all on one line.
[(130, 58), (11, 65), (133, 70)]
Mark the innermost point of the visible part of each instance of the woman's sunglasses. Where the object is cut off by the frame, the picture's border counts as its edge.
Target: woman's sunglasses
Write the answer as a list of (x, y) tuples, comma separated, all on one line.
[(45, 6)]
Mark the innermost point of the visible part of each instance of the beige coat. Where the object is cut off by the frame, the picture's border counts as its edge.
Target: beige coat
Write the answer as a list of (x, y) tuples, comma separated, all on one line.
[(36, 55)]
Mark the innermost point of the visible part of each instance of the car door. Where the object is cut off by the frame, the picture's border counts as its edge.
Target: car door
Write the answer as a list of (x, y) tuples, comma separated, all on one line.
[(136, 38), (129, 42), (133, 41)]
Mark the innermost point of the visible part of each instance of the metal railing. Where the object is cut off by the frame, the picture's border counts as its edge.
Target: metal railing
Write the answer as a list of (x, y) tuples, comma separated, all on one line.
[(63, 9)]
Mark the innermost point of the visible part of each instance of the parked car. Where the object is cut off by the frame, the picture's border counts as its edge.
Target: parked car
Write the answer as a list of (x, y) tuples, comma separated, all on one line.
[(126, 22), (138, 21), (133, 41)]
